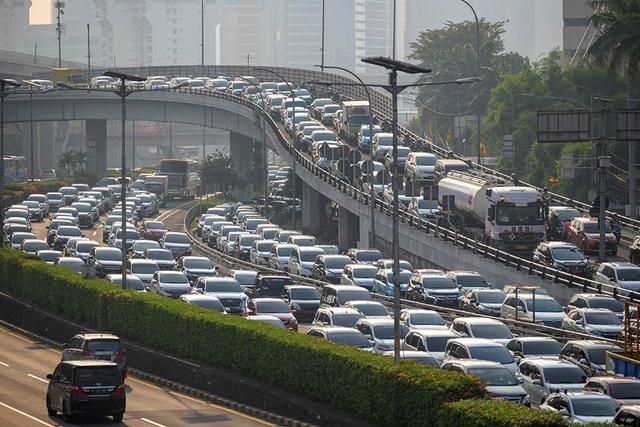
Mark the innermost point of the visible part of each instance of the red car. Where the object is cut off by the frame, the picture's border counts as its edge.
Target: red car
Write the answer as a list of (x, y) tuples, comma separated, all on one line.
[(565, 215), (152, 230), (272, 307), (624, 390), (584, 233)]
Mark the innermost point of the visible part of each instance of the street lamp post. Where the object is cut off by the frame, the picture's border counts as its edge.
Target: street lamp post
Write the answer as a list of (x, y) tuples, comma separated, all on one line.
[(4, 83), (372, 229), (31, 86), (475, 15)]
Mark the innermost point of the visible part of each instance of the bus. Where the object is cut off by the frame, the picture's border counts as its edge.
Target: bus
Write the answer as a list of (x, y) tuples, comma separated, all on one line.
[(183, 178), (15, 169)]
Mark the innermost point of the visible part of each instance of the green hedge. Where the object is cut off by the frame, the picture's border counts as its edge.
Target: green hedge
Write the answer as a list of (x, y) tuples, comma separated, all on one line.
[(18, 192), (363, 384), (487, 413)]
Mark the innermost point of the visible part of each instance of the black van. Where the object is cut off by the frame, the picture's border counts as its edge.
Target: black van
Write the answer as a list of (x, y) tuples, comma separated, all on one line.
[(338, 295), (270, 285), (86, 387)]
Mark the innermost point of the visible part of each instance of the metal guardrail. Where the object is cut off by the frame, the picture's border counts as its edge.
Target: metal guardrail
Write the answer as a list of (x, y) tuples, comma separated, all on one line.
[(516, 326)]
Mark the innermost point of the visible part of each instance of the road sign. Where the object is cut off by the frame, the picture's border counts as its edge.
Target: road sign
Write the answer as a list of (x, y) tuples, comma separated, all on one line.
[(628, 125), (564, 126)]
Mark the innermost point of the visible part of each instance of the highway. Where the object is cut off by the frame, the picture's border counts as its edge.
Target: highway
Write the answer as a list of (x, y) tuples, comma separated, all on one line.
[(24, 365)]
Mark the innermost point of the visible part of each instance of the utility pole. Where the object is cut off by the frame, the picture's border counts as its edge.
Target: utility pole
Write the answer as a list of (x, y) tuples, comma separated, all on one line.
[(202, 34), (133, 144), (322, 46), (88, 53), (603, 164), (59, 6), (248, 56)]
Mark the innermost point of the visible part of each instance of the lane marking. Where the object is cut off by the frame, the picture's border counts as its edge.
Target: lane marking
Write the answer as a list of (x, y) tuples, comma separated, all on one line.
[(38, 378), (146, 420), (4, 364), (26, 415)]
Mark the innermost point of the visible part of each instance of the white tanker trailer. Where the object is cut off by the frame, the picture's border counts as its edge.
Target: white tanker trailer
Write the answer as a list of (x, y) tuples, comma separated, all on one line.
[(501, 214)]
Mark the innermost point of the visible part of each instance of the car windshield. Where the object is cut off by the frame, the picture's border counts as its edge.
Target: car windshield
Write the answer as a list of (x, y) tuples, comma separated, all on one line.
[(347, 320), (131, 234), (404, 276), (245, 278), (134, 283), (628, 274), (567, 254), (385, 332), (541, 348), (154, 226), (592, 228), (519, 215), (543, 305), (141, 246), (305, 294), (426, 160), (272, 307), (368, 256), (309, 256), (498, 354), (564, 375), (264, 246), (104, 345), (285, 252), (625, 390), (91, 376), (177, 238), (54, 196), (602, 318), (248, 240), (594, 407), (212, 304), (497, 376), (35, 246), (49, 256), (109, 254), (608, 303), (372, 309), (161, 255), (144, 268), (491, 297), (353, 295), (598, 356), (354, 339), (82, 207), (436, 282), (173, 277), (364, 272), (69, 231), (492, 332), (335, 263), (84, 247), (567, 214), (226, 286), (427, 319), (472, 281), (198, 263), (329, 109)]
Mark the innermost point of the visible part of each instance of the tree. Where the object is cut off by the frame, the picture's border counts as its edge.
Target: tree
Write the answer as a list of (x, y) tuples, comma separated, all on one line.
[(72, 161), (218, 170)]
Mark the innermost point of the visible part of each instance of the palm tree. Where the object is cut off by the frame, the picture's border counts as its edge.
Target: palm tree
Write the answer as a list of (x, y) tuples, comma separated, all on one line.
[(67, 160), (79, 160)]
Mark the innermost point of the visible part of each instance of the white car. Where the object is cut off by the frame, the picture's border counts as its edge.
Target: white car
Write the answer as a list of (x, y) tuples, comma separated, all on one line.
[(623, 275), (582, 407), (420, 166), (594, 321)]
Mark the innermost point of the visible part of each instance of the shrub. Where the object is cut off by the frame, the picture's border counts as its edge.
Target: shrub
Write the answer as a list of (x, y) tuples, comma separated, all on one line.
[(489, 413), (18, 192)]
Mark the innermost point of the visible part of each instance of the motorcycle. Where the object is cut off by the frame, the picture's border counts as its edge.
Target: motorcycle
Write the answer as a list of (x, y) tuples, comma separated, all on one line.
[(555, 232), (615, 229)]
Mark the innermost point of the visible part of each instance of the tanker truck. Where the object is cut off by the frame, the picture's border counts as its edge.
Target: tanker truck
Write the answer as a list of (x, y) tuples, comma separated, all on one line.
[(496, 212)]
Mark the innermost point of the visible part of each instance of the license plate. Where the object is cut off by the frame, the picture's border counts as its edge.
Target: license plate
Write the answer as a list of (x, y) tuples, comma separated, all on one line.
[(103, 357), (521, 247)]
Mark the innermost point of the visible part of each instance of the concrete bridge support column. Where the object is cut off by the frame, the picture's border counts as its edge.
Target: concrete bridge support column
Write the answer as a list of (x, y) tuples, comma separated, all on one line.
[(365, 228), (96, 137), (240, 152), (313, 209), (348, 229), (45, 148)]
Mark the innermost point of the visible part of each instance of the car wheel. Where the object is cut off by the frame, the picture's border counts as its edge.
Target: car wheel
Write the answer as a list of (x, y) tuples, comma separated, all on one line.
[(66, 416), (50, 410), (117, 418)]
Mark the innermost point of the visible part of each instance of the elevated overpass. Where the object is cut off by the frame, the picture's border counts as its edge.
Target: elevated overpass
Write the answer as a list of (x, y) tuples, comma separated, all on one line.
[(16, 65)]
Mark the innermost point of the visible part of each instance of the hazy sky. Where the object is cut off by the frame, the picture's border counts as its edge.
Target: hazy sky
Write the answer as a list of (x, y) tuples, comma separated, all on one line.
[(40, 12)]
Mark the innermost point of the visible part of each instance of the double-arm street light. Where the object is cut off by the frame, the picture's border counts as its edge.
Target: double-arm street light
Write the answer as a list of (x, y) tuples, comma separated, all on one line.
[(4, 84)]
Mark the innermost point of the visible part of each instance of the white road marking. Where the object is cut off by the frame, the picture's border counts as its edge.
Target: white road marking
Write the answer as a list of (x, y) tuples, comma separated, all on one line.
[(4, 364), (146, 420), (38, 378), (26, 415)]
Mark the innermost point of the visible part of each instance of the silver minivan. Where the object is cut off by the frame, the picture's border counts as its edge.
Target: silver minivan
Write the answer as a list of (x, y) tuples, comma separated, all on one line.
[(302, 259)]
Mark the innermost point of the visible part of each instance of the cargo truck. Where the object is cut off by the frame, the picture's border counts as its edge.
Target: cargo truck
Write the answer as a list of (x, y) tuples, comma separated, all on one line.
[(354, 115), (158, 185), (501, 214)]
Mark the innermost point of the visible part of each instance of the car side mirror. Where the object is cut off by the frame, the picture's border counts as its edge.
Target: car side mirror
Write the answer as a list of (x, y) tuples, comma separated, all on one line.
[(65, 345), (583, 361), (536, 381), (563, 412), (49, 376)]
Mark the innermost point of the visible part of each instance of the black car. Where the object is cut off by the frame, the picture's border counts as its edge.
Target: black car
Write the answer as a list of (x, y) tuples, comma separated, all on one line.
[(269, 285), (564, 257), (63, 234), (328, 268), (303, 301), (86, 387)]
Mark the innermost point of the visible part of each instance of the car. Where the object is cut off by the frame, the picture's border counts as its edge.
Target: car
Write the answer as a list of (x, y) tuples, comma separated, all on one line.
[(581, 407), (283, 235), (624, 390), (467, 280), (339, 295), (71, 244), (364, 136), (534, 347), (370, 309), (433, 341), (302, 259), (269, 285), (129, 233), (584, 233), (32, 246), (586, 300), (589, 355), (341, 335), (36, 212), (134, 283), (337, 316), (246, 278), (49, 256), (563, 256), (195, 266), (359, 275), (301, 240), (380, 144), (261, 251), (73, 263), (541, 377), (11, 229), (380, 333), (303, 301), (226, 289), (82, 249), (42, 200), (541, 309), (18, 237), (144, 269), (105, 260), (628, 416), (383, 281), (69, 194), (418, 318), (63, 234), (96, 346), (55, 200), (163, 257), (86, 214), (170, 284), (138, 247), (328, 268), (622, 275), (482, 327), (386, 263), (482, 349), (433, 287), (565, 215), (86, 387), (106, 226), (241, 247), (420, 166), (272, 307), (498, 381), (178, 243), (594, 321), (483, 301), (279, 257), (424, 209), (210, 302), (317, 104), (403, 152), (365, 256), (328, 113)]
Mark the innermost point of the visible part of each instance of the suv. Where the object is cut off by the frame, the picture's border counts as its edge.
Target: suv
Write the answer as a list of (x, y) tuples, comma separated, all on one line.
[(580, 407), (302, 259), (303, 301), (483, 301), (338, 295), (86, 387), (337, 316), (624, 275), (542, 377), (542, 309), (594, 321), (564, 257), (328, 268), (596, 301), (589, 355), (226, 289), (467, 280), (585, 234), (420, 166), (96, 347), (482, 349), (269, 285), (433, 287)]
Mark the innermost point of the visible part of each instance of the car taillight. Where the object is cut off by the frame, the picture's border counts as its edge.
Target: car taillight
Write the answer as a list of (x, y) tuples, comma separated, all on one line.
[(119, 391), (121, 353), (77, 392), (88, 353)]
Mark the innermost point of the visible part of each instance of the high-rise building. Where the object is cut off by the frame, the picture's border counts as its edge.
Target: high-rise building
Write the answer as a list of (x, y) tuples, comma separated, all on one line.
[(577, 33), (14, 22), (246, 32)]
